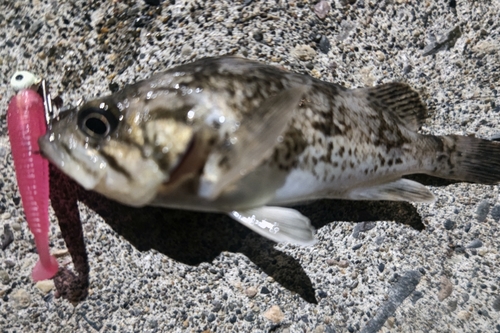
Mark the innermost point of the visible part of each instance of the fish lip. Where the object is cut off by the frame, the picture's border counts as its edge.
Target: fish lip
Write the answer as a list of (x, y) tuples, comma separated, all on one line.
[(52, 151), (47, 150)]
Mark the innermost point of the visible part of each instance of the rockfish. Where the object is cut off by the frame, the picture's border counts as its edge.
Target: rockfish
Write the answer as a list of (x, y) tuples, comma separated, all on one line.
[(239, 137)]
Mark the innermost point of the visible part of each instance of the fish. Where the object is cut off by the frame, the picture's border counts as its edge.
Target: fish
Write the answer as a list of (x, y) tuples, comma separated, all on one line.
[(239, 137)]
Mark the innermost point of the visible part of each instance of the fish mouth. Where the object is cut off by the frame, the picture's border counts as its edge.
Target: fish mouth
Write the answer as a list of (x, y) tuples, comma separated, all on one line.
[(82, 165)]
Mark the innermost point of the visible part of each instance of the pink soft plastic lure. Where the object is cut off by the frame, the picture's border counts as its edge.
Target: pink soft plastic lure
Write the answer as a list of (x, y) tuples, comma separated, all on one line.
[(26, 123)]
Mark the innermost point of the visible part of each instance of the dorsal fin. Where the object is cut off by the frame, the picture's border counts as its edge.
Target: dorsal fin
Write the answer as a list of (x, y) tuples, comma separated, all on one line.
[(400, 99)]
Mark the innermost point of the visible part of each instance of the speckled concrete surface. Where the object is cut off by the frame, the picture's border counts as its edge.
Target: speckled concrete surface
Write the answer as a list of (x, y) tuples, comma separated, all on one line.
[(155, 270)]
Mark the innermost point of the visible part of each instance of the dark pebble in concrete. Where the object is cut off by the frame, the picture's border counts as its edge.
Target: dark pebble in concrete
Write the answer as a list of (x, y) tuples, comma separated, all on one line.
[(366, 226), (449, 224), (113, 87), (324, 44), (7, 238), (496, 303), (407, 69), (356, 230), (483, 313), (362, 227), (495, 213), (482, 211), (258, 36), (217, 306), (452, 305), (476, 243), (401, 290), (379, 240), (329, 329), (250, 317)]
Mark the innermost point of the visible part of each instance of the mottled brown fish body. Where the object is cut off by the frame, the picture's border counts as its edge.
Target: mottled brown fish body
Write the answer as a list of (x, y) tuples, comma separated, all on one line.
[(237, 136)]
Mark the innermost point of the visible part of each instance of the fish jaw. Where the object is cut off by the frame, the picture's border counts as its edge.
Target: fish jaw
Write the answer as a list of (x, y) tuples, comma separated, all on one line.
[(89, 168), (71, 164), (134, 181)]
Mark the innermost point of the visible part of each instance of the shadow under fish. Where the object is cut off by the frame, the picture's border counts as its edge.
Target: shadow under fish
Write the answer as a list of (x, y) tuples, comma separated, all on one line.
[(193, 238), (64, 200)]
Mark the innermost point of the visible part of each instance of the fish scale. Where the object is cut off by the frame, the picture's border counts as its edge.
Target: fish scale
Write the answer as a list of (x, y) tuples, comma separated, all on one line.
[(339, 164), (239, 137)]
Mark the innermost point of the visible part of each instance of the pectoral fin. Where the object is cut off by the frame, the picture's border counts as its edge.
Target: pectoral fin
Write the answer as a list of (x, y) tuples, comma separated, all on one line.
[(399, 190), (279, 224), (254, 141)]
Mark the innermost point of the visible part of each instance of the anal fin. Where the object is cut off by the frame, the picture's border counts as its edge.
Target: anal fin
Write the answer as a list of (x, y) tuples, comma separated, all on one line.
[(278, 224), (399, 190)]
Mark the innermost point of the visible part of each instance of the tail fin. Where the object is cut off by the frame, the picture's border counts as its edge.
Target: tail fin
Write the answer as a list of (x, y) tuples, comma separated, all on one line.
[(467, 159)]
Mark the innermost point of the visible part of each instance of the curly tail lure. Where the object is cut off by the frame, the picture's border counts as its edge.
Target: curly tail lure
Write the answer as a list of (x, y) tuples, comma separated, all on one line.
[(26, 122)]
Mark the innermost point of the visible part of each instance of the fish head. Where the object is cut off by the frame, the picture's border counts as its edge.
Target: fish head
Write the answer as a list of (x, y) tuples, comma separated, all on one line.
[(119, 146)]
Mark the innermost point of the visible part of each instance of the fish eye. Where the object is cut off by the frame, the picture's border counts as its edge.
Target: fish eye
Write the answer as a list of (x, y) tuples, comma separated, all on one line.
[(96, 122)]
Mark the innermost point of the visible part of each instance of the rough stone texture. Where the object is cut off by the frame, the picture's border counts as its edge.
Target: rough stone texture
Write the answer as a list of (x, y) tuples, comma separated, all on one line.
[(274, 314), (158, 270), (445, 288), (45, 286)]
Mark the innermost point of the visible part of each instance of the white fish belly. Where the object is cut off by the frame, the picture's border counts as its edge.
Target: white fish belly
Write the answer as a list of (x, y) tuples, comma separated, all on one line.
[(300, 185), (334, 180)]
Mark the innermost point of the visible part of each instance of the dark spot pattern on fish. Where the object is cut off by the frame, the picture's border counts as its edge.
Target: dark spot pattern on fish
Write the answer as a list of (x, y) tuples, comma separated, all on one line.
[(331, 140)]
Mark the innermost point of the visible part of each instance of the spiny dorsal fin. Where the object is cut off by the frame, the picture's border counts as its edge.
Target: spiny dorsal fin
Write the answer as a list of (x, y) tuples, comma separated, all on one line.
[(400, 99)]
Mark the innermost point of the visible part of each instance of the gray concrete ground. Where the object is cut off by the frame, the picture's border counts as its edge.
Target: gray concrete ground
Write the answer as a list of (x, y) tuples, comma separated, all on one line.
[(155, 270)]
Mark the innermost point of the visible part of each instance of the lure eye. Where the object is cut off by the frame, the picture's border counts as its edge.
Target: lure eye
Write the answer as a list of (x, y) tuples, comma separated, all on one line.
[(23, 80), (96, 122)]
